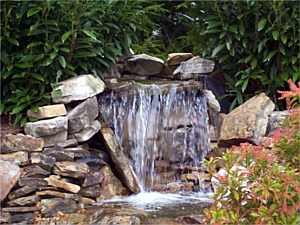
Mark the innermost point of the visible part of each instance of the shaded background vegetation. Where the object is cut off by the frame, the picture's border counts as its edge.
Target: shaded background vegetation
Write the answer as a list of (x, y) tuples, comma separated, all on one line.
[(256, 43)]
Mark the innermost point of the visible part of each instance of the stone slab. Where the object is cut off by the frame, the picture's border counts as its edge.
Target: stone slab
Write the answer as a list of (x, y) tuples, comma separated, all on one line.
[(48, 111)]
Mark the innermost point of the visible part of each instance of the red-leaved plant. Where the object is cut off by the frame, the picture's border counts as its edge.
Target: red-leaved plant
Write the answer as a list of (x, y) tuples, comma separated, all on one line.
[(261, 183)]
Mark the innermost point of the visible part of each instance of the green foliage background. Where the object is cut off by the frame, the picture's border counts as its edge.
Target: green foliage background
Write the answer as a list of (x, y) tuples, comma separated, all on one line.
[(256, 43)]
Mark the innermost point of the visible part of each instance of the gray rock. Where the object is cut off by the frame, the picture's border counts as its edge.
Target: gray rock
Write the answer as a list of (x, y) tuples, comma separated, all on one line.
[(58, 194), (68, 143), (50, 207), (19, 158), (21, 192), (48, 111), (248, 122), (91, 192), (93, 179), (71, 169), (79, 152), (32, 181), (21, 142), (55, 138), (59, 153), (78, 88), (276, 118), (175, 59), (82, 115), (24, 201), (54, 181), (196, 65), (9, 175), (86, 133), (144, 65), (34, 171), (46, 162), (135, 77), (24, 218), (46, 127), (120, 160), (21, 209)]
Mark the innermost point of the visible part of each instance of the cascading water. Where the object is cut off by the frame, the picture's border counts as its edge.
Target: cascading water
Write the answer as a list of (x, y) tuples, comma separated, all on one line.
[(160, 127)]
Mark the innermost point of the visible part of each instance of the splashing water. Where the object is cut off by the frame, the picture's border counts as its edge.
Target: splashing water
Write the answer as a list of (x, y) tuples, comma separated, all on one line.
[(158, 124)]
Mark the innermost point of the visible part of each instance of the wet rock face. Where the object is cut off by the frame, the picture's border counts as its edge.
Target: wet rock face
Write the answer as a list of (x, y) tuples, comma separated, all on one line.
[(78, 88), (9, 175), (248, 122)]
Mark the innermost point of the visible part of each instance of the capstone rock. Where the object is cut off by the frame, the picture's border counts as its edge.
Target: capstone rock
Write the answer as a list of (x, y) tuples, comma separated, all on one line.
[(78, 88), (248, 122), (144, 65), (175, 59)]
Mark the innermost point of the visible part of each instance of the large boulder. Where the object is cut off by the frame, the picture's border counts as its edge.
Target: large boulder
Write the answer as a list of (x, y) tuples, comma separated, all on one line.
[(144, 65), (193, 67), (77, 88), (248, 122), (276, 118), (9, 175), (120, 160)]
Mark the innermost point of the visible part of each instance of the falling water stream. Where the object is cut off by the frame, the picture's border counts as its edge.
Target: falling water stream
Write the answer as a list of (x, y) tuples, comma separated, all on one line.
[(156, 125)]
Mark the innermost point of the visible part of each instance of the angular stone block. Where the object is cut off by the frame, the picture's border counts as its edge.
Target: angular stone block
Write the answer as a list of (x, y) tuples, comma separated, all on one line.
[(144, 65), (46, 162), (86, 133), (59, 153), (78, 88), (82, 115), (34, 171), (24, 201), (175, 59), (19, 158), (50, 207), (71, 169), (52, 140), (55, 182), (48, 111), (248, 122), (21, 142), (9, 175), (46, 127), (21, 192)]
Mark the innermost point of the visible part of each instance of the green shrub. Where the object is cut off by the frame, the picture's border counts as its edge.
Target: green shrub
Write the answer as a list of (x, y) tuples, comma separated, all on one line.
[(45, 41)]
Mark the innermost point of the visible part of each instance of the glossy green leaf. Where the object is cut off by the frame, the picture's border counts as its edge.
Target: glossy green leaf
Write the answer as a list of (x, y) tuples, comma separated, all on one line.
[(65, 36), (217, 50), (18, 108), (13, 41), (245, 84), (253, 63), (283, 38), (270, 55), (262, 24), (90, 34), (242, 28), (62, 61), (38, 77), (275, 34), (33, 11)]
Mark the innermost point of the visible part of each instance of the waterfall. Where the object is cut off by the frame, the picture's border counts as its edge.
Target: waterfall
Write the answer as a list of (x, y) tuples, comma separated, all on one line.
[(160, 127)]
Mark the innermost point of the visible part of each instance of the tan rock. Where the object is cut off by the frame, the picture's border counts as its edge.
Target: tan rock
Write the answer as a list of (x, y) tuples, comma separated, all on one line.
[(58, 194), (120, 160), (176, 58), (21, 142), (111, 186), (71, 169), (19, 158), (55, 182), (9, 175), (248, 122), (48, 111)]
